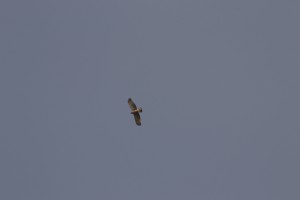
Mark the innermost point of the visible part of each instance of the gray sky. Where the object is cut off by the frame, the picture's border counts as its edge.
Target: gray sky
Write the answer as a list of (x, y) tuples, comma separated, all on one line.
[(219, 83)]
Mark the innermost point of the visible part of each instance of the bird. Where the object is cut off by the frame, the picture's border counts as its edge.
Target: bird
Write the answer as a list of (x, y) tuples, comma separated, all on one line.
[(135, 111)]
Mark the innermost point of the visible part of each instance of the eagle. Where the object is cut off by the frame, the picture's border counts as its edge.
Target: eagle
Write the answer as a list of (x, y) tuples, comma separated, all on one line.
[(135, 111)]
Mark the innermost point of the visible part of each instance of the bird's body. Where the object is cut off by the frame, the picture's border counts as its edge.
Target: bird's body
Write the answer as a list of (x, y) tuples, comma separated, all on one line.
[(135, 111)]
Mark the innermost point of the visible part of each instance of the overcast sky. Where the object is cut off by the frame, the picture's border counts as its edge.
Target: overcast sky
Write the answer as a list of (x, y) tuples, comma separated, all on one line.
[(218, 81)]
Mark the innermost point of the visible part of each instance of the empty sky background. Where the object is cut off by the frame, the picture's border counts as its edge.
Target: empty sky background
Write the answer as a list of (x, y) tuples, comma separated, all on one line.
[(219, 83)]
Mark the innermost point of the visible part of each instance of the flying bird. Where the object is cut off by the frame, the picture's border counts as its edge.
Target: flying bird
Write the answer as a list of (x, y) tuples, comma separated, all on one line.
[(135, 111)]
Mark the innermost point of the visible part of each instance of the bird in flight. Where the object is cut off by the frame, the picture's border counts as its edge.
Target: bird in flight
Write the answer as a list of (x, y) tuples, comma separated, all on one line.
[(135, 111)]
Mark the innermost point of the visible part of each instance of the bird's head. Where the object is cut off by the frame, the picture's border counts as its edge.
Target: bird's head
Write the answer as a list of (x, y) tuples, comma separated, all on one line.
[(140, 109)]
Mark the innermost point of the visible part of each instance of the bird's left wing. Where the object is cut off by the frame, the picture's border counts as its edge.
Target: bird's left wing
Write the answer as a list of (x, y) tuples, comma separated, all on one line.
[(131, 104)]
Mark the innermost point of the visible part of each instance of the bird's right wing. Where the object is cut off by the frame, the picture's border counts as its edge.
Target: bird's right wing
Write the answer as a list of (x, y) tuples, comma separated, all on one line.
[(137, 119)]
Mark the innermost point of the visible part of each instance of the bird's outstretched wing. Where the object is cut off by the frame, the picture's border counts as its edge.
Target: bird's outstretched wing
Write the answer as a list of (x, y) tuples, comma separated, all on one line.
[(131, 104), (137, 119)]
